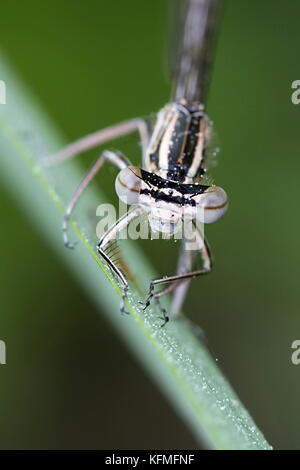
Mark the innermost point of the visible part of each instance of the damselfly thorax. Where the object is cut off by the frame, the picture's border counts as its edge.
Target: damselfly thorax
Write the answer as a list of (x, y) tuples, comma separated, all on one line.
[(178, 144), (170, 187)]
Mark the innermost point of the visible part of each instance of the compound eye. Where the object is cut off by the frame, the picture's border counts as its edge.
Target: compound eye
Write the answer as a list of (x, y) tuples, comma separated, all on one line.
[(211, 205), (128, 185)]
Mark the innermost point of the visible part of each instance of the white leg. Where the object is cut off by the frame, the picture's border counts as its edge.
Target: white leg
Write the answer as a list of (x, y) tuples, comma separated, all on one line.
[(100, 137), (179, 283), (105, 243), (116, 159)]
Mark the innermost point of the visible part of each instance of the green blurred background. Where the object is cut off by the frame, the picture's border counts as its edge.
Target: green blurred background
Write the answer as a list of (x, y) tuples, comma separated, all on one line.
[(92, 63)]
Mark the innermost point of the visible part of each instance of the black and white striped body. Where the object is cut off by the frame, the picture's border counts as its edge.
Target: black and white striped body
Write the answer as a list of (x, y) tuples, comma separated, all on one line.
[(178, 144), (170, 187)]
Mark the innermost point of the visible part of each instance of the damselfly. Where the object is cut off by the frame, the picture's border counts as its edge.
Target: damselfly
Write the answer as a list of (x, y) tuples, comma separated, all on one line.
[(170, 183)]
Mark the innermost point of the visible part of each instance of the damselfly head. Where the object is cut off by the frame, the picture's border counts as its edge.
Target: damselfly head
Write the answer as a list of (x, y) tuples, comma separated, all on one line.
[(166, 202)]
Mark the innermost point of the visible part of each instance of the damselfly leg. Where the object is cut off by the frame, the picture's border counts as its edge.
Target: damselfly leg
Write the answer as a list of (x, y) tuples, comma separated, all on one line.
[(93, 140), (179, 283), (101, 137), (117, 159), (109, 237)]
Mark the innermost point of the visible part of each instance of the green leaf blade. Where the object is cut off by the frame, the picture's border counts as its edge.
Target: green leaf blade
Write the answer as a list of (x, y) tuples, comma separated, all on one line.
[(175, 356)]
